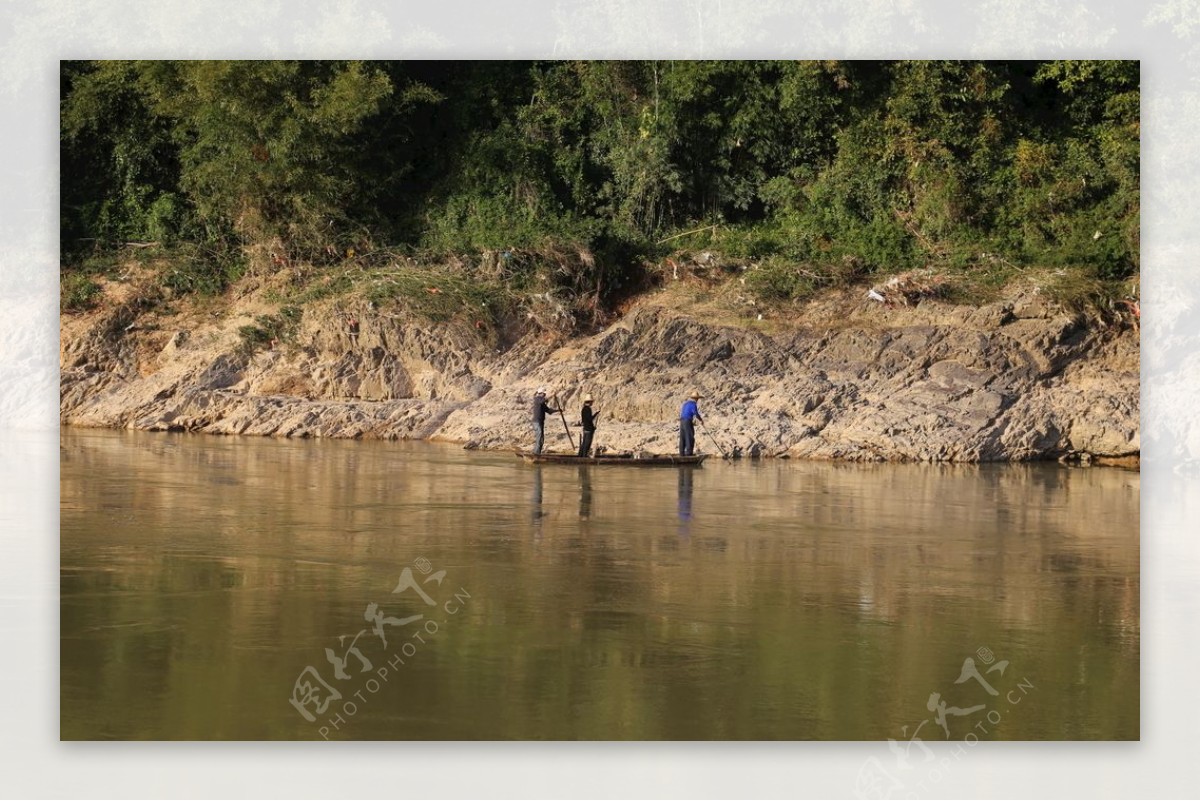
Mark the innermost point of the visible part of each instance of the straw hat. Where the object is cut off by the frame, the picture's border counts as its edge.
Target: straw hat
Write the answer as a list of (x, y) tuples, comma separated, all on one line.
[(695, 395), (588, 398), (540, 391)]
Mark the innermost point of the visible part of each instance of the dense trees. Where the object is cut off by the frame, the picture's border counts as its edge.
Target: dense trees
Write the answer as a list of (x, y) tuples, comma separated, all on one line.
[(878, 165)]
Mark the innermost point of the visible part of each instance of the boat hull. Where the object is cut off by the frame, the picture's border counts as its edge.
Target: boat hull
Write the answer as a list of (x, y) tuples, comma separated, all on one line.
[(627, 460)]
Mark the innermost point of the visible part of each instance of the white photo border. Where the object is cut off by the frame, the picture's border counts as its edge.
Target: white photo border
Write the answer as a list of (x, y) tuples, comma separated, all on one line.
[(36, 35)]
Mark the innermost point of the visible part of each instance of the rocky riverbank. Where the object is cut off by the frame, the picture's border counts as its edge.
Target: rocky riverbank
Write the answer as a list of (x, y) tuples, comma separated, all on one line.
[(844, 377)]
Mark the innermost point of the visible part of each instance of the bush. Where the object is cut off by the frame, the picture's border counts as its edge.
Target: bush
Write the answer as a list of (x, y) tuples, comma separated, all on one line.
[(268, 329), (77, 292), (1081, 290), (199, 270), (437, 295), (780, 280), (166, 219)]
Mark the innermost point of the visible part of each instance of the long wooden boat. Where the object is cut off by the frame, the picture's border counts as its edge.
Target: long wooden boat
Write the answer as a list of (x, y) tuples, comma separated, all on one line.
[(630, 459)]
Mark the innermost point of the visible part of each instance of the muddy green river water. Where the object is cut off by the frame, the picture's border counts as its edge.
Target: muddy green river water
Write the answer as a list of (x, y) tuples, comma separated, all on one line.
[(245, 588)]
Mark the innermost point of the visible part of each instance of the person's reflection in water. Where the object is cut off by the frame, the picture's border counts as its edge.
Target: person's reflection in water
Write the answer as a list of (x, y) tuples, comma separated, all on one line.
[(685, 502), (537, 514), (585, 493)]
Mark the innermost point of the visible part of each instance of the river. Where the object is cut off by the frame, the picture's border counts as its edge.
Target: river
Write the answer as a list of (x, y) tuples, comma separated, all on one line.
[(214, 587)]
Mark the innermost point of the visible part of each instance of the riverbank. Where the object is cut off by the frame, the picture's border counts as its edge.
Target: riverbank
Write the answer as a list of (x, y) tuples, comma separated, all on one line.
[(841, 376)]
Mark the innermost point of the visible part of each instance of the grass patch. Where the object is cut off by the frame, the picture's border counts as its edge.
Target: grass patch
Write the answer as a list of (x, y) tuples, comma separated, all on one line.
[(184, 270), (437, 295), (327, 286), (77, 292), (776, 279), (1080, 292), (485, 290), (269, 330), (201, 272)]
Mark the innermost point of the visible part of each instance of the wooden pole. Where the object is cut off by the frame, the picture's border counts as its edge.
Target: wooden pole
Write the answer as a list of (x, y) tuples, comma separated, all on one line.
[(564, 419), (724, 455)]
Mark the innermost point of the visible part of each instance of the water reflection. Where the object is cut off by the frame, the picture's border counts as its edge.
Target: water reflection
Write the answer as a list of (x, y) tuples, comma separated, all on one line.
[(536, 511), (201, 575), (684, 506), (585, 492)]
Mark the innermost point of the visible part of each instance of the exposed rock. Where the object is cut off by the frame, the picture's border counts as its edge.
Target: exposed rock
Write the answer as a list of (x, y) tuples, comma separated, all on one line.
[(1013, 380)]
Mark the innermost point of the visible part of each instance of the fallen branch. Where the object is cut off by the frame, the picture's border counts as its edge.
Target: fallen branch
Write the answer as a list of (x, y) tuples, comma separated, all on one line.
[(685, 233)]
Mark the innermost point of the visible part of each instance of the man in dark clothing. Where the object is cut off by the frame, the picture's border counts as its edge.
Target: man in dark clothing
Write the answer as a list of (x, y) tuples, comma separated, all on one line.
[(588, 419), (540, 408), (688, 416)]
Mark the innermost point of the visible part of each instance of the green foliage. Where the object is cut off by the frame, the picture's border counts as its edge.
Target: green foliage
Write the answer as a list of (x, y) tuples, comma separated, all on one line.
[(253, 339), (269, 330), (77, 292), (438, 296), (781, 279), (266, 146), (220, 152), (117, 158), (778, 279), (884, 165), (201, 271), (1080, 290), (329, 285), (166, 218)]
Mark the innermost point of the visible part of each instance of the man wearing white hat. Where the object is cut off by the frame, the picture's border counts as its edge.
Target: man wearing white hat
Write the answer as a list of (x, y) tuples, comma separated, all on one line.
[(588, 420), (540, 408), (688, 416)]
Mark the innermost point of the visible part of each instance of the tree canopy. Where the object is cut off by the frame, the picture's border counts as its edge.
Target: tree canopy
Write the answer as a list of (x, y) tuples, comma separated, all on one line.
[(886, 165)]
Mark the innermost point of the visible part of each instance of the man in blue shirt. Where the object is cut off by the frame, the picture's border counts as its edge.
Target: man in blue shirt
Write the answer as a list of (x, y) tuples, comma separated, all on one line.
[(688, 416), (540, 408)]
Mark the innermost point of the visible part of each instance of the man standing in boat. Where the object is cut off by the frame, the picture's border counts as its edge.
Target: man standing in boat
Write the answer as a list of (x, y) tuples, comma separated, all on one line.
[(588, 420), (540, 408), (688, 416)]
